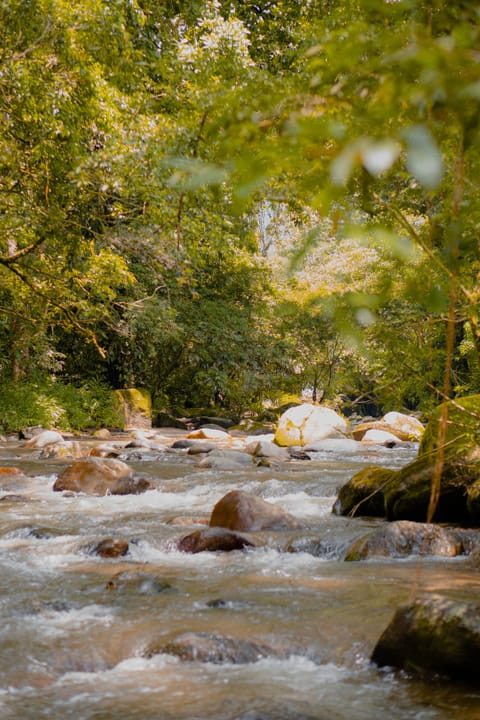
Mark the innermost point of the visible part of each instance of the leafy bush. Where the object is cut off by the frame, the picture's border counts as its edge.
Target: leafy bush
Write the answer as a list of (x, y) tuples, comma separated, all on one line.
[(56, 405)]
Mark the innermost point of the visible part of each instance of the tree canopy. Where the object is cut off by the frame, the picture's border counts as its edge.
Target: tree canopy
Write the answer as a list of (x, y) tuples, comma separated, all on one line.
[(224, 201)]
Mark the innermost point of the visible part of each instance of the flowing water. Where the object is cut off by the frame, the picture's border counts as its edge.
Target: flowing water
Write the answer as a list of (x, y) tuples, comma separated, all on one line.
[(73, 640)]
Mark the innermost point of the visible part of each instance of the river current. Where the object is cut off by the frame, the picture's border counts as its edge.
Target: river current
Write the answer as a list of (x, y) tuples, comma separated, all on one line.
[(73, 638)]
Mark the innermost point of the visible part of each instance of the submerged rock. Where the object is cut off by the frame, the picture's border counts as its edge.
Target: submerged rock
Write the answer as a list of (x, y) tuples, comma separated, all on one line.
[(403, 538), (208, 647), (138, 582), (248, 513), (110, 548), (433, 634), (213, 539), (100, 476)]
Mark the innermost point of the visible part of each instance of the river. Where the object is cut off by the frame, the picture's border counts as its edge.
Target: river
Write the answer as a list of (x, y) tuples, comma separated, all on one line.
[(73, 637)]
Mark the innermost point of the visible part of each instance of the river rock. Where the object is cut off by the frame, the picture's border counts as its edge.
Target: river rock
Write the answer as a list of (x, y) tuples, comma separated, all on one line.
[(64, 449), (406, 427), (212, 648), (199, 447), (306, 424), (363, 494), (46, 437), (407, 494), (226, 459), (209, 434), (100, 476), (381, 437), (110, 548), (248, 513), (102, 434), (138, 582), (403, 538), (221, 422), (213, 539), (339, 446), (433, 634), (163, 419), (266, 449), (8, 470), (404, 494)]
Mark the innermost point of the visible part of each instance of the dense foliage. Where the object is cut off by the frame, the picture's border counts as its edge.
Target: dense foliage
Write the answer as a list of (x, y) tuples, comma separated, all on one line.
[(224, 201)]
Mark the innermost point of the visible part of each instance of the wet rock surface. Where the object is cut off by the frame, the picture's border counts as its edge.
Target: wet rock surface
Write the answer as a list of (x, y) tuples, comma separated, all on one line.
[(433, 634), (100, 476), (403, 538), (213, 539), (212, 648), (238, 510)]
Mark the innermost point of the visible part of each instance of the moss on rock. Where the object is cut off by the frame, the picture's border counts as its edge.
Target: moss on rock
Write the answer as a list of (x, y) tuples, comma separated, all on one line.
[(134, 408), (363, 494)]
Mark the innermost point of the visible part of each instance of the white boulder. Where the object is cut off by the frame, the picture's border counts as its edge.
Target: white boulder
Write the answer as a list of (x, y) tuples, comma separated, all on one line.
[(406, 424), (306, 424)]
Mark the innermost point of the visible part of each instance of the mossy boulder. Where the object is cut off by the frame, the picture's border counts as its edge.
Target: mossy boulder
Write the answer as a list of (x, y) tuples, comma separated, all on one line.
[(407, 496), (363, 494), (433, 634), (134, 408)]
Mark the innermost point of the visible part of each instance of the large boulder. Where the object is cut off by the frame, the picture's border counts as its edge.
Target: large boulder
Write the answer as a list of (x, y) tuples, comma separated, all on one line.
[(248, 513), (46, 437), (134, 408), (405, 494), (433, 634), (99, 476), (363, 494), (306, 424), (208, 647), (403, 538), (266, 449), (213, 539), (405, 427)]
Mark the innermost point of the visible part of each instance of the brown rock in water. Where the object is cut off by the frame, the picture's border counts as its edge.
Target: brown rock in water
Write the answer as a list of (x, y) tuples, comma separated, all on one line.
[(403, 538), (100, 476), (248, 513), (213, 540), (208, 647), (433, 634), (111, 547), (5, 470)]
